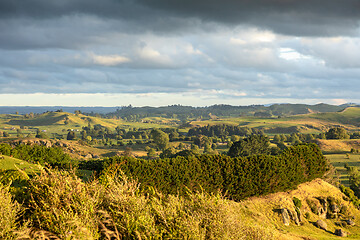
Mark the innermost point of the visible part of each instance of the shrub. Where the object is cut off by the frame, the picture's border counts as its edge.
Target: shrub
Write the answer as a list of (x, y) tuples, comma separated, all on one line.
[(297, 202), (8, 213), (41, 154), (61, 203), (237, 177)]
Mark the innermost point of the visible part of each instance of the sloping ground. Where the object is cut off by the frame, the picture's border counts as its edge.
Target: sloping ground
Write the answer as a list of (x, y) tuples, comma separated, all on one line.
[(334, 145), (349, 115), (73, 148), (10, 163), (59, 118), (264, 212)]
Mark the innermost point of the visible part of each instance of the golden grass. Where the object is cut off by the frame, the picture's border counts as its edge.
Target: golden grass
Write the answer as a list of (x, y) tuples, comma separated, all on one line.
[(335, 145), (8, 213), (260, 210), (60, 206)]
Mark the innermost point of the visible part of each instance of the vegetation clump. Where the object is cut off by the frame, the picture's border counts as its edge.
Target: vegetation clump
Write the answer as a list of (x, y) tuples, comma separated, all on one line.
[(60, 206), (238, 177), (9, 210)]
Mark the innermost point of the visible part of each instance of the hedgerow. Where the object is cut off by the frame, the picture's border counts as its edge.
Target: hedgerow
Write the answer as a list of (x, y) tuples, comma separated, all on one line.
[(237, 178), (53, 156)]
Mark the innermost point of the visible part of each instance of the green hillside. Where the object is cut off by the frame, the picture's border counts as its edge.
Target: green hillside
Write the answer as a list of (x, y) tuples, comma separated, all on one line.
[(10, 163), (56, 124)]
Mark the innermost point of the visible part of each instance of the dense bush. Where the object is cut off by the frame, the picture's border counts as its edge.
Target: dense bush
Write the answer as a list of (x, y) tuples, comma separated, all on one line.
[(255, 144), (237, 177), (351, 195), (8, 213), (38, 154), (61, 206), (337, 133)]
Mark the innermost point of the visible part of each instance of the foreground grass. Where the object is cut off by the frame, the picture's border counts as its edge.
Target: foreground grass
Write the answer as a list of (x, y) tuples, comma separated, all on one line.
[(58, 205), (10, 163)]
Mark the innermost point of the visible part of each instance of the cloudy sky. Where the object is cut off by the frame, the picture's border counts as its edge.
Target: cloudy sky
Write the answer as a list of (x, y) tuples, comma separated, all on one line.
[(190, 52)]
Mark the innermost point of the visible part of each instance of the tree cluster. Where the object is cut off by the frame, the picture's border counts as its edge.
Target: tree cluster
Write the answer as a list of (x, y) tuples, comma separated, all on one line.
[(238, 177), (54, 156)]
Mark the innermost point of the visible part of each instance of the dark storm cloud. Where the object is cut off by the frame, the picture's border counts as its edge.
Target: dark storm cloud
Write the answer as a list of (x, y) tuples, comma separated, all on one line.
[(292, 17)]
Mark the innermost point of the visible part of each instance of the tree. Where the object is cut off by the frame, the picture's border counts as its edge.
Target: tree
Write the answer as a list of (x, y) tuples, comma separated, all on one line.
[(208, 149), (83, 135), (355, 135), (253, 145), (19, 133), (322, 136), (151, 153), (40, 134), (168, 153), (294, 139), (194, 148), (201, 140), (71, 135), (160, 138), (337, 133), (277, 139)]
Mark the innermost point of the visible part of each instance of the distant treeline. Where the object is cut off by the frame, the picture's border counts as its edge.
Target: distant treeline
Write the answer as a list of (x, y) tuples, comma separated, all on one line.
[(42, 109), (223, 130), (184, 112), (238, 178)]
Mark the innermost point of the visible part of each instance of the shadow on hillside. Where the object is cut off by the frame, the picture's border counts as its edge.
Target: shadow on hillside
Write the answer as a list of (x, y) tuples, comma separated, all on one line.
[(314, 223)]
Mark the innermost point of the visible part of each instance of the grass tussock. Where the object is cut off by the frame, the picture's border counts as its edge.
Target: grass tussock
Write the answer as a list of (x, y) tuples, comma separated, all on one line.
[(58, 205), (8, 213)]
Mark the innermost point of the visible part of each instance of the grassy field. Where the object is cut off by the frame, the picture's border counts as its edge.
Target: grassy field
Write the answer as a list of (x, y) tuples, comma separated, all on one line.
[(10, 163), (306, 123), (59, 122), (338, 161)]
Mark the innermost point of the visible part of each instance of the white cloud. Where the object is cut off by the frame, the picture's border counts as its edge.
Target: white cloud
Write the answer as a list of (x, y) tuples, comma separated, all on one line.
[(109, 60), (291, 54)]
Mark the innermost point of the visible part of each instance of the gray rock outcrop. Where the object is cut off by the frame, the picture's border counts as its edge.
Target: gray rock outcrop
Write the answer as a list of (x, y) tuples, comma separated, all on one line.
[(285, 216), (321, 224), (339, 232)]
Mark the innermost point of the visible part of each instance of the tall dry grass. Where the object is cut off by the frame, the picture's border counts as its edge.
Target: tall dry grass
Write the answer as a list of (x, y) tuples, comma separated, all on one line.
[(9, 210), (60, 206)]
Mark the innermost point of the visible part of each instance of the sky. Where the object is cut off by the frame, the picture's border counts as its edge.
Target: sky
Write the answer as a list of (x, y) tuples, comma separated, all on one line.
[(189, 52)]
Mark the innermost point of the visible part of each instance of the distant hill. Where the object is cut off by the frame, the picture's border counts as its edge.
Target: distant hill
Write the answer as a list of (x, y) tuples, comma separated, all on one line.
[(284, 109), (184, 112), (349, 115), (42, 109)]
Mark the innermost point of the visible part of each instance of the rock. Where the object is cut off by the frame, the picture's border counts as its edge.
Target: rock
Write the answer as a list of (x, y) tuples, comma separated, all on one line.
[(291, 214), (334, 208), (88, 156), (321, 224), (350, 222), (298, 213), (96, 156), (285, 216), (322, 212), (340, 232), (294, 217), (340, 224)]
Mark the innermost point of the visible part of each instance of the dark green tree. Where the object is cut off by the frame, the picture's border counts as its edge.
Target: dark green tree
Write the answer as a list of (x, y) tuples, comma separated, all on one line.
[(71, 135), (40, 134), (168, 153), (253, 145), (160, 138), (337, 133)]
